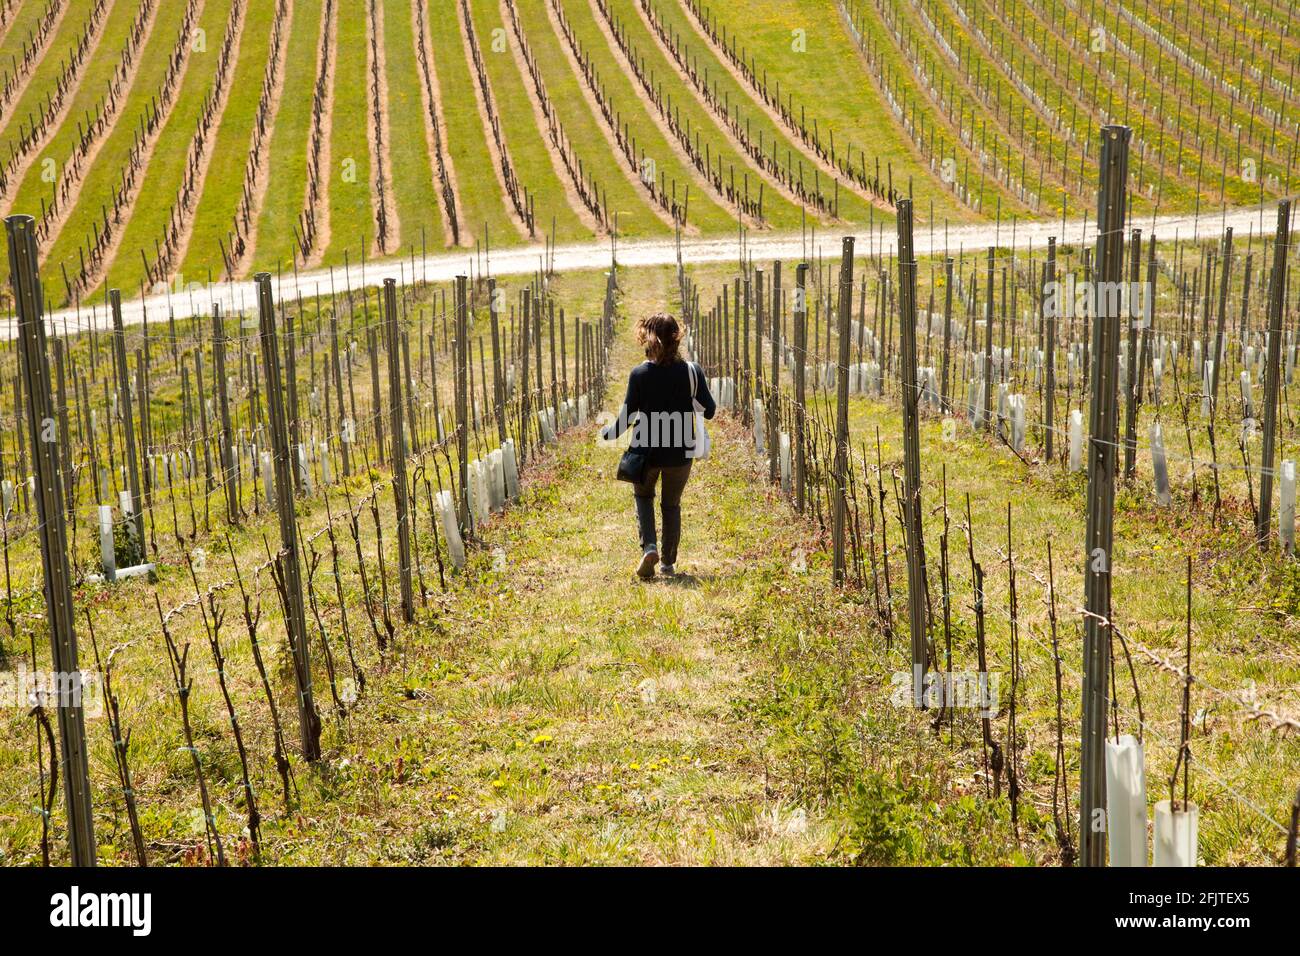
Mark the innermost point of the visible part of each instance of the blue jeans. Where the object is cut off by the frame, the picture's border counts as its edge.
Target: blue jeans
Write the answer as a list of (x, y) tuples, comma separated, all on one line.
[(674, 483)]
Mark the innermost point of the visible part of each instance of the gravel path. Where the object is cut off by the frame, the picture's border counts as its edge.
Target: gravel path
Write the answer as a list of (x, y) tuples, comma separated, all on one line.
[(524, 260)]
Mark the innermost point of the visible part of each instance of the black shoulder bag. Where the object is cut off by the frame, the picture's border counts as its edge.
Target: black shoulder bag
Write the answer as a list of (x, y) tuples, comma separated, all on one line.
[(631, 467)]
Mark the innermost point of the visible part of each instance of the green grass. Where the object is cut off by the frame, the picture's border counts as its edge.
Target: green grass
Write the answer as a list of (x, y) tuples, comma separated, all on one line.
[(44, 74), (223, 185), (1232, 611), (1003, 130), (97, 73), (549, 709), (1244, 639), (104, 174), (829, 79), (855, 112), (752, 117), (483, 202), (161, 181), (989, 193), (415, 181), (778, 211), (24, 21), (629, 201), (350, 174), (550, 48), (286, 182), (525, 135), (1143, 107)]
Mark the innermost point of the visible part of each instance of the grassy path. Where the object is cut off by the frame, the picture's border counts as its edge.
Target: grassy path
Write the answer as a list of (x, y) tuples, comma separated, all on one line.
[(573, 715), (556, 710), (561, 711)]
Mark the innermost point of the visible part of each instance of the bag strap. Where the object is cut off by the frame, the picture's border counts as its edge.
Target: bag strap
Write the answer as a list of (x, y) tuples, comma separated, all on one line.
[(690, 373)]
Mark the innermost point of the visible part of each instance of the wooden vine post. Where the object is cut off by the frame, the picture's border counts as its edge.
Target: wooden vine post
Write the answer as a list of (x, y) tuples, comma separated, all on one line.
[(226, 448), (842, 413), (346, 426), (128, 426), (462, 398), (1131, 394), (290, 572), (916, 587), (1051, 310), (800, 383), (947, 334), (395, 409), (46, 438), (1276, 303), (986, 399), (1102, 460), (498, 380)]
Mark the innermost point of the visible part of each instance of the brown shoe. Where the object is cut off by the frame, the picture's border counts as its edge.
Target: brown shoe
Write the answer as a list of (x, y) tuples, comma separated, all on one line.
[(646, 569)]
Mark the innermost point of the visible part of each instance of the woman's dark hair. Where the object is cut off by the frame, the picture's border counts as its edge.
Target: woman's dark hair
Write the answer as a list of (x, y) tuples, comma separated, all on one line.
[(660, 336)]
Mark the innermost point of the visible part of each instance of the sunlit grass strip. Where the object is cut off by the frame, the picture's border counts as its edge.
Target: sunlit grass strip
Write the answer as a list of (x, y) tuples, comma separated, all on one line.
[(811, 66), (144, 235), (352, 215), (25, 64), (21, 19), (224, 181), (516, 191), (415, 192), (435, 126), (784, 160), (952, 49), (54, 176), (847, 158), (631, 122), (99, 184), (530, 151), (933, 134), (7, 10), (730, 169), (1189, 100), (286, 181), (22, 173), (587, 185), (482, 201), (42, 101), (748, 207)]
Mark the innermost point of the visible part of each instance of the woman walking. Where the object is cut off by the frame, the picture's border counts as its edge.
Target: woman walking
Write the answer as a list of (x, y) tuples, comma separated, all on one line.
[(660, 408)]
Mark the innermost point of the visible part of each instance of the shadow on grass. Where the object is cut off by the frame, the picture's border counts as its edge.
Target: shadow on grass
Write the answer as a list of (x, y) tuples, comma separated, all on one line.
[(683, 579)]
